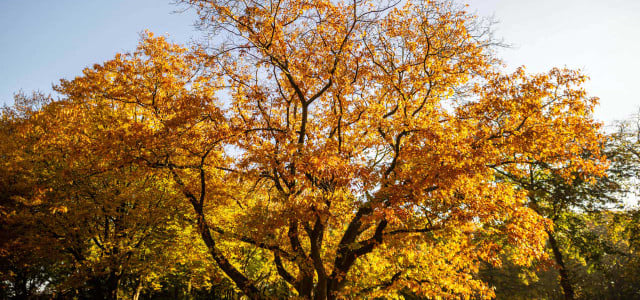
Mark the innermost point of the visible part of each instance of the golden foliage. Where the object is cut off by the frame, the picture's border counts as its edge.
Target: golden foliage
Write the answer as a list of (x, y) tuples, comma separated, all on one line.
[(352, 146)]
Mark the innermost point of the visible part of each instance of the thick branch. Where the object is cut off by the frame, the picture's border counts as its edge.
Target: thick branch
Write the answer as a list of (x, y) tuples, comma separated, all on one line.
[(277, 250)]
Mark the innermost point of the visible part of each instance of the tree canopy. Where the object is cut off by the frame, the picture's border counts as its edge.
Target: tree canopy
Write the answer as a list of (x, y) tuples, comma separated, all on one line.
[(321, 149)]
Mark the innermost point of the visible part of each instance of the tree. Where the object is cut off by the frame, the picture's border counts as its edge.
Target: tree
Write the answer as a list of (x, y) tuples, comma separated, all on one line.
[(599, 256), (24, 268), (353, 147), (590, 243), (567, 198), (104, 227)]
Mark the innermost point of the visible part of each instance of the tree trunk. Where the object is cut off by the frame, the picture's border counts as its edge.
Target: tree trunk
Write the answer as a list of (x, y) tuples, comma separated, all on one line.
[(188, 292), (562, 269), (238, 278), (113, 282), (21, 288), (136, 295), (241, 281), (321, 290)]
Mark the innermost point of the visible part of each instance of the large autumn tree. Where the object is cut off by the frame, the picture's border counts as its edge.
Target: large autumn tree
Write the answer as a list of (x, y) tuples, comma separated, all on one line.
[(352, 147)]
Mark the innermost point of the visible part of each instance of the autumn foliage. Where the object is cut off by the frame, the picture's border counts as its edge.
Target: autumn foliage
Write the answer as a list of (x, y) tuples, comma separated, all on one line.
[(349, 148)]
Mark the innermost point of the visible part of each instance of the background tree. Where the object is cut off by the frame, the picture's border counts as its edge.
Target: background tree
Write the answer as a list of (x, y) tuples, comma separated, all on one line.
[(567, 200), (24, 268), (108, 229), (590, 244)]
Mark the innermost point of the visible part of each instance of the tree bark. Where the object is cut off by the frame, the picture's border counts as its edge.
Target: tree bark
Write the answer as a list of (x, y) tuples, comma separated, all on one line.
[(136, 295), (567, 289), (22, 290), (112, 286), (204, 230), (238, 278)]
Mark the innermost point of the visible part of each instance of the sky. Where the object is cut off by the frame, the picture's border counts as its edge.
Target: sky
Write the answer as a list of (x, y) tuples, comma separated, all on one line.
[(602, 38), (42, 41)]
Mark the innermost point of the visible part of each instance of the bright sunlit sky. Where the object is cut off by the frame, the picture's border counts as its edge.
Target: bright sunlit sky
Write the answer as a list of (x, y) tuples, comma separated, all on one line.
[(42, 41)]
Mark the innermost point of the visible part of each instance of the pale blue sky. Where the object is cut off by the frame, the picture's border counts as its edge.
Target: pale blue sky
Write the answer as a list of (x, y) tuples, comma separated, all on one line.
[(601, 37), (42, 41)]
